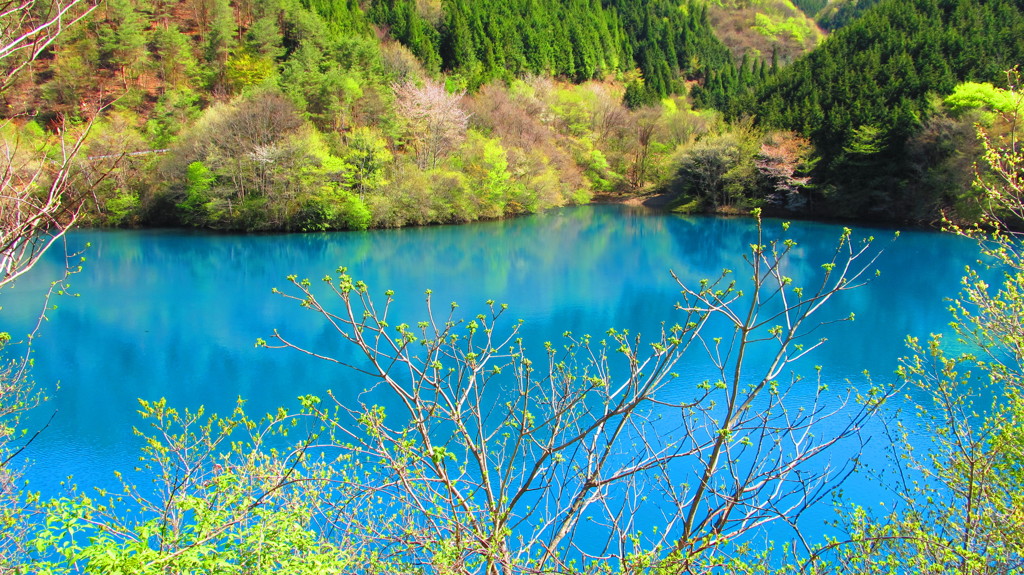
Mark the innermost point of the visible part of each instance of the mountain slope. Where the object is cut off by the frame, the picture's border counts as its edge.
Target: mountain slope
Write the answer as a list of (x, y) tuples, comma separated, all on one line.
[(866, 90), (764, 28), (574, 39), (838, 13)]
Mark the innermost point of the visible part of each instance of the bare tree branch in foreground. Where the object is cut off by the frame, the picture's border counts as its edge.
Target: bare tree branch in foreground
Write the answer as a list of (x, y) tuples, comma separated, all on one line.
[(41, 194), (39, 201), (601, 454), (29, 27)]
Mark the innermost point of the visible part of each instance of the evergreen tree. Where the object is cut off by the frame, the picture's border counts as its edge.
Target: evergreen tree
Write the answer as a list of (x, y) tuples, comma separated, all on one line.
[(220, 41), (122, 39), (574, 39)]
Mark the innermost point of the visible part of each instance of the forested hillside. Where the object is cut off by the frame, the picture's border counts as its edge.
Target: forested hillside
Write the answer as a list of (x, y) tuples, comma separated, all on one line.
[(764, 28), (838, 13), (834, 14), (870, 100), (335, 114), (340, 114), (576, 39), (482, 41)]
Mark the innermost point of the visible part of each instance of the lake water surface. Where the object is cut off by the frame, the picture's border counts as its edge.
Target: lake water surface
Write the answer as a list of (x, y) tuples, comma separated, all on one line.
[(175, 313)]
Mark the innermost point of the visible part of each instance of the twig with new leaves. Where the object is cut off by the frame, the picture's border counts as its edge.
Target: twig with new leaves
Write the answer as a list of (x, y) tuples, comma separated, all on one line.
[(229, 493), (502, 462), (961, 513)]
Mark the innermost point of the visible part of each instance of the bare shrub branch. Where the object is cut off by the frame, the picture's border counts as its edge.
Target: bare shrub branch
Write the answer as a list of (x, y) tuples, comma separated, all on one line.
[(28, 27), (503, 461)]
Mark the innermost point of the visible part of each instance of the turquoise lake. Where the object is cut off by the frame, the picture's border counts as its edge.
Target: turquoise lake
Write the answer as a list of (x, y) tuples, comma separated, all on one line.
[(175, 314)]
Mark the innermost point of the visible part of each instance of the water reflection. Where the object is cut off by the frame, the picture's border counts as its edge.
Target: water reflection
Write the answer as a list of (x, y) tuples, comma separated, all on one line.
[(174, 313)]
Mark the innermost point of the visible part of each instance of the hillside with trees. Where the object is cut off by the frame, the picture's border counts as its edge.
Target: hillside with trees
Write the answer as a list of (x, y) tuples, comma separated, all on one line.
[(838, 13), (834, 14), (334, 114), (329, 114), (870, 101), (764, 28)]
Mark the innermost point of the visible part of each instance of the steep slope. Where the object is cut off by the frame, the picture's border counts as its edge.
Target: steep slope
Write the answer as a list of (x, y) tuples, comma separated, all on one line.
[(867, 89), (573, 39), (308, 115), (665, 37), (764, 28), (810, 7), (838, 13)]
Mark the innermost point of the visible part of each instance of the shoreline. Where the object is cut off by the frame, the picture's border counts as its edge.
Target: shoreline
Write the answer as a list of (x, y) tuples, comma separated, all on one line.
[(655, 201)]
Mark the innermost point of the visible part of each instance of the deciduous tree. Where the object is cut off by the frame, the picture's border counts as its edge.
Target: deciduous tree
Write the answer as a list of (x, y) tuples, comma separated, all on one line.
[(783, 164), (436, 121)]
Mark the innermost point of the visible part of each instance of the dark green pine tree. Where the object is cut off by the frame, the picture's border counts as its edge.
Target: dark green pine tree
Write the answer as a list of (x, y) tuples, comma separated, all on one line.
[(880, 72), (457, 50), (574, 39)]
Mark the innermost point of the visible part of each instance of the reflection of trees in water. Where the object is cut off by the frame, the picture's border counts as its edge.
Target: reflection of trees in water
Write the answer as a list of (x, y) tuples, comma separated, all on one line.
[(175, 313)]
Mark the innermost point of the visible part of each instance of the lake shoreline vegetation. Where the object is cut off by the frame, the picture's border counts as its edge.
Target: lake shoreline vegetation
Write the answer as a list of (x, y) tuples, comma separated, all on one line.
[(313, 115)]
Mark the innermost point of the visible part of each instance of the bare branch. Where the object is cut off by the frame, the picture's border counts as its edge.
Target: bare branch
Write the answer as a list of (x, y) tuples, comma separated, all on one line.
[(28, 27), (519, 456)]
